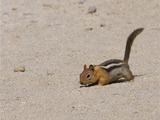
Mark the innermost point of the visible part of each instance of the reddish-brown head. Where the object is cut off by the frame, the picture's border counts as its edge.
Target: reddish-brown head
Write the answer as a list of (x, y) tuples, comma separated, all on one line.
[(87, 77)]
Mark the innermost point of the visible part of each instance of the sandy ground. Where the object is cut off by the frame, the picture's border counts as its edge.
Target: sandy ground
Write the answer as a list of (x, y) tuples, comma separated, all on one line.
[(53, 39)]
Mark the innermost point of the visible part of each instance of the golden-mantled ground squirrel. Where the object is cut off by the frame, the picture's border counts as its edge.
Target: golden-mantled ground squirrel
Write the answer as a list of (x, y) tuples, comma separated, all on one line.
[(111, 70)]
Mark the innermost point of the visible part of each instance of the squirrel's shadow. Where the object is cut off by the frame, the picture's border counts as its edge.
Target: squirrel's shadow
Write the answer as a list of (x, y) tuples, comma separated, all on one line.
[(121, 80)]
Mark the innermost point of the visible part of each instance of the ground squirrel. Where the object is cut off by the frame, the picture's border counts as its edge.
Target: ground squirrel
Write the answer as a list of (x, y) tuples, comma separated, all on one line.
[(111, 70)]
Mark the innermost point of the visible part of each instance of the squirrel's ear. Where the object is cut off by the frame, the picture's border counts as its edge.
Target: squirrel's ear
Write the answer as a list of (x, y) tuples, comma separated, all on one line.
[(85, 67), (91, 67)]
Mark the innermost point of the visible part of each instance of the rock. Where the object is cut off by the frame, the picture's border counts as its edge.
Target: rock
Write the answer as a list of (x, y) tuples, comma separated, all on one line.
[(92, 9), (20, 69)]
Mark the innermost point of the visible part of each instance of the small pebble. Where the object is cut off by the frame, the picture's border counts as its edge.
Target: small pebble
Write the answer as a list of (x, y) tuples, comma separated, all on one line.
[(102, 25), (47, 5), (19, 69), (92, 9), (89, 29), (14, 8), (81, 1)]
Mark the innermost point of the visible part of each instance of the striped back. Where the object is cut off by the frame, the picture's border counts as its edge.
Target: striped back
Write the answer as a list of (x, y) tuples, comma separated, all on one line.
[(112, 64)]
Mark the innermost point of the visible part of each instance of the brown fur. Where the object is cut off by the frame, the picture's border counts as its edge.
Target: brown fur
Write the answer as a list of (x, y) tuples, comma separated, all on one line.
[(97, 76)]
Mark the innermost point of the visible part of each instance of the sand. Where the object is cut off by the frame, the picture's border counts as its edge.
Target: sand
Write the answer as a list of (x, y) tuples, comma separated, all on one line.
[(53, 39)]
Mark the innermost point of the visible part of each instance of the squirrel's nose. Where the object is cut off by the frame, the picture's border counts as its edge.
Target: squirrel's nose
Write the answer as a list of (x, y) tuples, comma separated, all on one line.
[(81, 82)]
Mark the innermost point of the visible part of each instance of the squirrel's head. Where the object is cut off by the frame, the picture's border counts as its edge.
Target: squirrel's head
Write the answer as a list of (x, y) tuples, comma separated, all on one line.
[(87, 77)]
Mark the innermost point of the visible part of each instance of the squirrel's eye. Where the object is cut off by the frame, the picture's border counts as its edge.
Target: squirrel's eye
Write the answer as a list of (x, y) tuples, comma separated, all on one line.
[(88, 76)]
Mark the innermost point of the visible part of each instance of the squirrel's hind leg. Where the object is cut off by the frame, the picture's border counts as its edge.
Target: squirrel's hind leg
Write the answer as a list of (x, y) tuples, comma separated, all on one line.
[(127, 74)]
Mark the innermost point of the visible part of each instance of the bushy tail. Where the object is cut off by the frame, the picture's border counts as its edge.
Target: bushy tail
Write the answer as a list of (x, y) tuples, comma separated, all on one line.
[(129, 43)]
